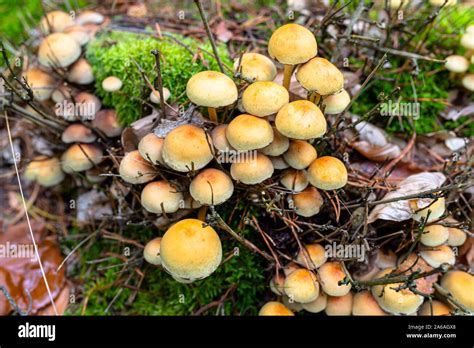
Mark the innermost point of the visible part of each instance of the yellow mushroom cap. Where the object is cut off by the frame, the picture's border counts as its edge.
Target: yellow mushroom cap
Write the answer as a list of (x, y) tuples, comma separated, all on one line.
[(336, 103), (106, 121), (314, 257), (330, 274), (468, 81), (290, 268), (191, 251), (187, 147), (211, 187), (457, 64), (278, 146), (55, 21), (456, 237), (211, 89), (112, 84), (80, 157), (300, 154), (321, 76), (277, 284), (436, 308), (279, 162), (307, 202), (339, 305), (257, 67), (151, 252), (292, 44), (59, 50), (150, 148), (301, 286), (161, 197), (439, 255), (467, 40), (364, 303), (327, 173), (434, 235), (46, 171), (275, 308), (219, 138), (264, 98), (87, 105), (294, 180), (461, 286), (78, 33), (247, 132), (317, 305), (78, 133), (403, 301), (41, 83), (301, 119), (135, 170), (155, 95), (80, 72), (252, 171), (436, 208)]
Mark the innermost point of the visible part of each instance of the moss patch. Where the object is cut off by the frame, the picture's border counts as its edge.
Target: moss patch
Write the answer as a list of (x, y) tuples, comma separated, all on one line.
[(114, 54)]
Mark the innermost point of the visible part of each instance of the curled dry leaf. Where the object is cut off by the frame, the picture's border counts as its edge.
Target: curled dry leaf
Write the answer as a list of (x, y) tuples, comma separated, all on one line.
[(376, 153), (21, 275), (400, 210)]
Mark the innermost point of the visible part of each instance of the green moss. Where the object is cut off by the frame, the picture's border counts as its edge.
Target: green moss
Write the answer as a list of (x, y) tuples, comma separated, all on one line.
[(114, 54)]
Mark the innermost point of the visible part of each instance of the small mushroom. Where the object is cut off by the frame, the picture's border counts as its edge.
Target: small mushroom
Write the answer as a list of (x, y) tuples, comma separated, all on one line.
[(150, 148), (365, 304), (58, 50), (112, 84), (300, 154), (302, 120), (211, 187), (79, 34), (55, 21), (41, 83), (308, 202), (187, 148), (435, 208), (275, 308), (327, 173), (256, 67), (302, 286), (81, 73), (46, 171), (89, 17), (135, 170), (87, 105), (317, 305), (213, 90), (106, 121), (292, 44), (279, 162), (336, 103), (161, 197), (151, 252), (191, 251), (219, 138), (460, 285), (264, 98), (438, 255), (468, 82), (252, 171), (330, 274), (247, 132), (278, 146), (320, 78), (78, 133), (434, 235), (155, 95), (313, 257), (339, 305), (294, 180), (81, 157)]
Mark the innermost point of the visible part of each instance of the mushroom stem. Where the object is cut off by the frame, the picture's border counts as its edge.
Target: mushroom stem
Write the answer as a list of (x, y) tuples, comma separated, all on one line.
[(212, 114), (202, 213), (287, 76), (314, 97)]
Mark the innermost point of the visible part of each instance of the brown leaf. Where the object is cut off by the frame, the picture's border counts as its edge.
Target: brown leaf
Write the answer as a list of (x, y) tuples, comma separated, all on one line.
[(376, 153), (223, 34), (23, 274)]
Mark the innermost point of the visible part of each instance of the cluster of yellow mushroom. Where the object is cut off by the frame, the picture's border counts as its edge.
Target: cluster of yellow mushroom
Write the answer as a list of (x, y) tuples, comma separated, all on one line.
[(54, 81), (459, 65), (315, 285), (271, 134)]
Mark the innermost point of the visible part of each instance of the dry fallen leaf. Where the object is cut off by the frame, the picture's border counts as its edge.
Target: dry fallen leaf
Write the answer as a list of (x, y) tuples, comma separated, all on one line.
[(223, 34), (400, 210), (376, 153)]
